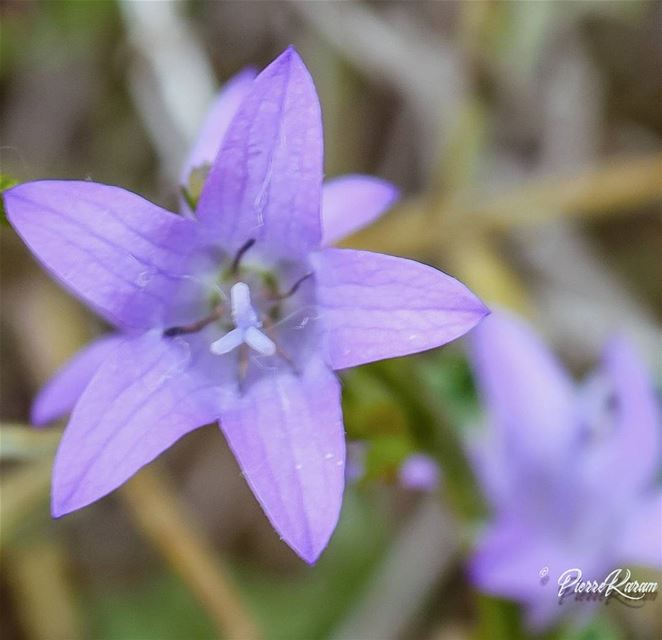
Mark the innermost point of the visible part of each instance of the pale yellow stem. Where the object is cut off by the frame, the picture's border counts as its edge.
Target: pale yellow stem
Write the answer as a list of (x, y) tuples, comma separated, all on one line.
[(486, 273), (23, 491), (21, 442), (619, 186), (162, 519)]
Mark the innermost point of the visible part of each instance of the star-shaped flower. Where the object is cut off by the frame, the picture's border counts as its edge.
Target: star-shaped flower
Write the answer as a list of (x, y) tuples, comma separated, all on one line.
[(237, 311), (569, 470)]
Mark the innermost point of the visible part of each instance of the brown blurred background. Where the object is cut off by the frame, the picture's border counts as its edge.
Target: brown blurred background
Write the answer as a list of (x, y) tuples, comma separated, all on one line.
[(526, 137)]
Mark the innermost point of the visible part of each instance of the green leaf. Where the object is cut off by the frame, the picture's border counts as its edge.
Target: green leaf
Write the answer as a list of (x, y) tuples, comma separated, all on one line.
[(600, 627), (385, 454), (158, 608), (497, 619), (431, 430), (311, 602)]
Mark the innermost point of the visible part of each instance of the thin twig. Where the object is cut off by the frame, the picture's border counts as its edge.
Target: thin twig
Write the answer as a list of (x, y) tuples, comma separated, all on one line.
[(171, 79), (23, 492), (161, 518), (619, 186), (22, 442)]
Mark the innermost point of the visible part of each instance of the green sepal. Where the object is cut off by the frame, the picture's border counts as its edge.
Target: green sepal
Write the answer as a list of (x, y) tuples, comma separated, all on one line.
[(196, 181)]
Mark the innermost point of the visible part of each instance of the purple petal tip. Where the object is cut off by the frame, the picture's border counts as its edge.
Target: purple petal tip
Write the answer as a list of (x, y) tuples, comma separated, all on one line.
[(310, 556), (290, 54), (58, 510), (38, 419)]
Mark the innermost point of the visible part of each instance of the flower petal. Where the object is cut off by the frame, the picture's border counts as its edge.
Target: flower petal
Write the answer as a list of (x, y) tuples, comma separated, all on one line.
[(266, 180), (61, 393), (352, 202), (528, 395), (637, 431), (217, 121), (287, 434), (375, 306), (148, 393), (640, 542), (508, 558), (524, 565), (124, 256)]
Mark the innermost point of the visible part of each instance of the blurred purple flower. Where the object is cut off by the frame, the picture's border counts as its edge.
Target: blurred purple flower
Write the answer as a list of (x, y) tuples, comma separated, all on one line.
[(570, 472), (419, 472), (238, 313)]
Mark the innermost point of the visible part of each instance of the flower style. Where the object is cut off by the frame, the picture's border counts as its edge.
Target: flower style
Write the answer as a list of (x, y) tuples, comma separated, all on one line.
[(570, 472), (236, 311)]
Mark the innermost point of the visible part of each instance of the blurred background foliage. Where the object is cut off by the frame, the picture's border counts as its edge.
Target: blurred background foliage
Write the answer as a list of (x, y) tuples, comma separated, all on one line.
[(526, 137)]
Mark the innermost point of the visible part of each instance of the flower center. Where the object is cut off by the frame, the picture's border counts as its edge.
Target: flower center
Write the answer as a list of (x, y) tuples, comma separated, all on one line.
[(259, 316), (247, 326)]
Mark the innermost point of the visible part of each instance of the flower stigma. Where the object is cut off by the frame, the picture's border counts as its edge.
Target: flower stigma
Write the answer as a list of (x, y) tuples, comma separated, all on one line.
[(247, 326)]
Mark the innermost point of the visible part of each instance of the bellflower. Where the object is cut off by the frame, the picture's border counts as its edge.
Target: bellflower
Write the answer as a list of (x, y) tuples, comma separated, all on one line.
[(419, 472), (569, 471), (237, 311)]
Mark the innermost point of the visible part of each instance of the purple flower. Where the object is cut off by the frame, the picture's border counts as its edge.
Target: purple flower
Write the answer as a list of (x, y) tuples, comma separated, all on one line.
[(569, 471), (238, 312), (419, 472)]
